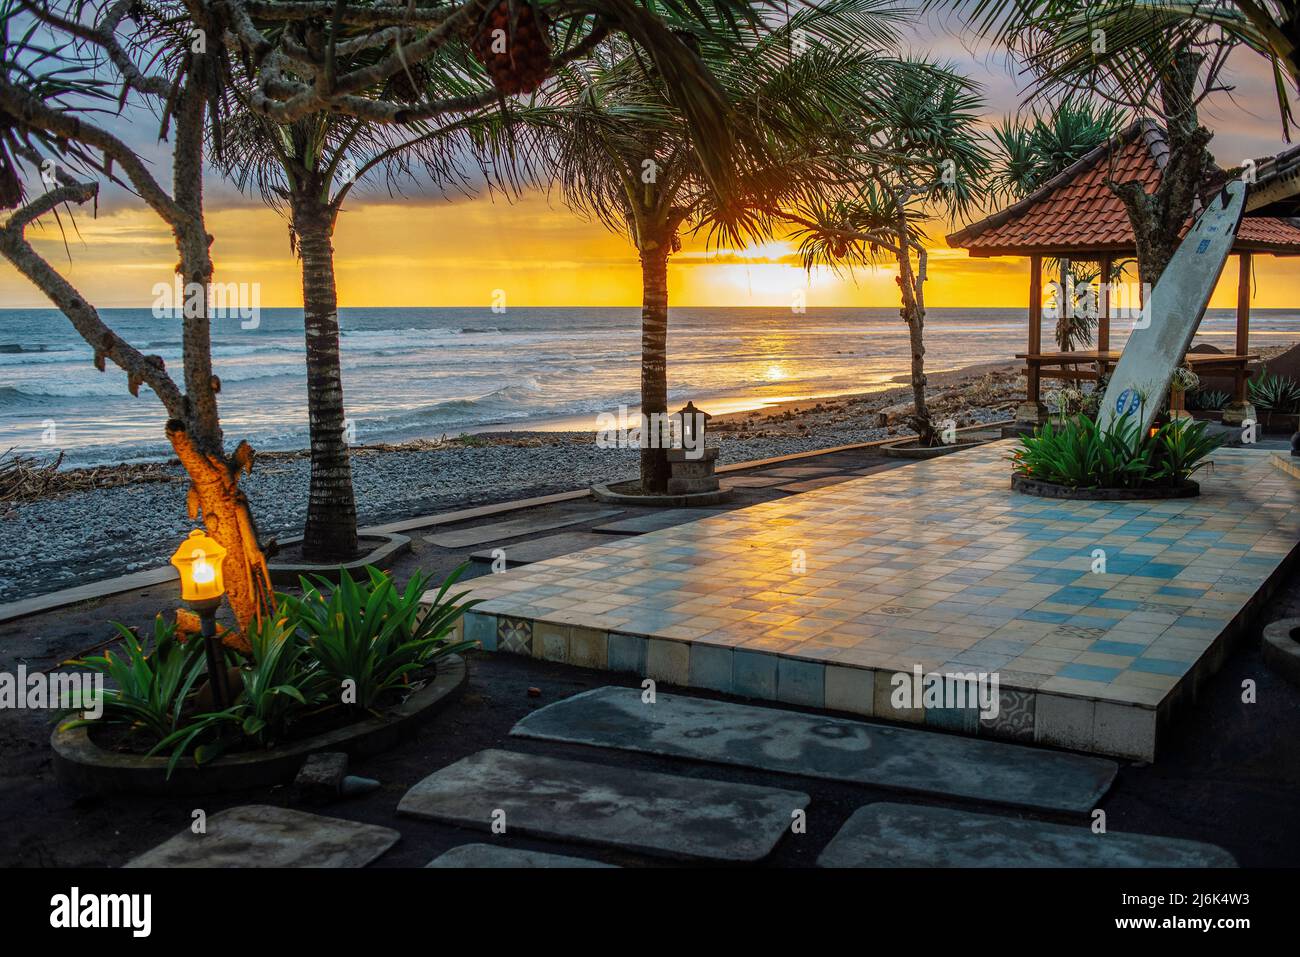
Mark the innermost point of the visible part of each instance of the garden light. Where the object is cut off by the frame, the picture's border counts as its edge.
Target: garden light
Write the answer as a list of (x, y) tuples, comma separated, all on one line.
[(199, 561)]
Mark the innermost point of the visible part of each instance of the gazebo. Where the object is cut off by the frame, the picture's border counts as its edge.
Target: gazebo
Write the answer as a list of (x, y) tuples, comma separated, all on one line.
[(1076, 217)]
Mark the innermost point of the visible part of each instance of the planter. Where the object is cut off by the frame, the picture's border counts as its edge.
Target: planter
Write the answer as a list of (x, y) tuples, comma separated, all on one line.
[(908, 449), (1028, 486), (1281, 649), (377, 548), (613, 495), (82, 764)]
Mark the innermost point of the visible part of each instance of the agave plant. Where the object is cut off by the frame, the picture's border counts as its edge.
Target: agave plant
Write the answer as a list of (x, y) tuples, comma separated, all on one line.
[(1274, 393), (1207, 400), (368, 638)]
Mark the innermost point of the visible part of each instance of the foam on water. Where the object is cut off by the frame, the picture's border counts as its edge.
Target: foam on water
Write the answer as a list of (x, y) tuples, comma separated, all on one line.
[(423, 372)]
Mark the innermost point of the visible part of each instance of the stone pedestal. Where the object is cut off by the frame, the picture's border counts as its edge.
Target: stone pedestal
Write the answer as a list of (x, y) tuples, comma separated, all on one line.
[(1031, 413), (1235, 413), (692, 472)]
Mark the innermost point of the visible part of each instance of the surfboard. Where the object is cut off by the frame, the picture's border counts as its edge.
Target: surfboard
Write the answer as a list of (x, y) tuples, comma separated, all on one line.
[(1161, 336)]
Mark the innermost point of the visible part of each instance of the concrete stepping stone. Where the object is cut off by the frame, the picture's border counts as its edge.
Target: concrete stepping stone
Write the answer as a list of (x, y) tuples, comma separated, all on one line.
[(900, 835), (632, 809), (260, 835), (801, 471), (496, 531), (654, 521), (749, 481), (540, 549), (837, 749), (492, 855)]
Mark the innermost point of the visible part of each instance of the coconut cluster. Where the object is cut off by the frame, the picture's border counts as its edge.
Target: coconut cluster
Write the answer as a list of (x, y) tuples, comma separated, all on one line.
[(517, 54)]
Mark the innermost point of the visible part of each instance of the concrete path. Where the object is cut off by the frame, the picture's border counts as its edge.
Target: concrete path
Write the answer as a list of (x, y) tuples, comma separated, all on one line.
[(541, 549), (653, 813), (899, 835), (260, 835), (492, 856), (653, 521), (822, 747), (498, 531)]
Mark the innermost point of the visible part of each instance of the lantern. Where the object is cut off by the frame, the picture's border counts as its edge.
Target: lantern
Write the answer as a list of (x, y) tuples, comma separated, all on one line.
[(199, 562)]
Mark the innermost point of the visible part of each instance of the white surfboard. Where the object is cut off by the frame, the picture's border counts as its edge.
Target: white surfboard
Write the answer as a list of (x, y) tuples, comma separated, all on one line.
[(1160, 338)]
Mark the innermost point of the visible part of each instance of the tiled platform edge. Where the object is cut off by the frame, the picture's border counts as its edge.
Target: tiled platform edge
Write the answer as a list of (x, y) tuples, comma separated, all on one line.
[(936, 539)]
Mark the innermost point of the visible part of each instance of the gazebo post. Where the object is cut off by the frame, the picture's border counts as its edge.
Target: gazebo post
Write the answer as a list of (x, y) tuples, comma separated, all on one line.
[(1032, 411), (1103, 304), (1240, 408)]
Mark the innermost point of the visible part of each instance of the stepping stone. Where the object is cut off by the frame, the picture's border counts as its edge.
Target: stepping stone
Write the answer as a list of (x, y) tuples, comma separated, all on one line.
[(749, 481), (627, 808), (654, 521), (540, 549), (259, 835), (481, 534), (800, 471), (491, 855), (807, 485), (900, 835), (837, 749)]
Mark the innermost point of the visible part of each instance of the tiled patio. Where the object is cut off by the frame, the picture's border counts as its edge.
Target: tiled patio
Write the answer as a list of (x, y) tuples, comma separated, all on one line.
[(821, 598)]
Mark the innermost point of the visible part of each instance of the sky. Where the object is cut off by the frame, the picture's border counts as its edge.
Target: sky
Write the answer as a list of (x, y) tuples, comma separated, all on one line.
[(427, 249)]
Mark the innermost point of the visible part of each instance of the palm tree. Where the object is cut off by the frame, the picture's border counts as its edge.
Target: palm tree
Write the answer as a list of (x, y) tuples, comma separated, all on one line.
[(299, 169), (1031, 151), (925, 157), (1150, 57), (625, 156)]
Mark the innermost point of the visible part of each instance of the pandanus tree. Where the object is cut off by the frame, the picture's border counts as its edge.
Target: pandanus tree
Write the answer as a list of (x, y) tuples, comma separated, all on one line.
[(624, 154), (920, 156), (177, 57)]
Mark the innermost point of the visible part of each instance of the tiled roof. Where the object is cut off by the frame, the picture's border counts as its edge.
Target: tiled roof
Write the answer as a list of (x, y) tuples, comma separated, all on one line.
[(1076, 212)]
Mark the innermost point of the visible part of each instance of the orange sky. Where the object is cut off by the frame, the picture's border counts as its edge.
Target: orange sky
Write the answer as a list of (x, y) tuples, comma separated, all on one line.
[(418, 253)]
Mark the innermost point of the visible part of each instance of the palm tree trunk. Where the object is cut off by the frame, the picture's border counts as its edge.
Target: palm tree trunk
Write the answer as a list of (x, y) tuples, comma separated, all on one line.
[(331, 531), (913, 312), (654, 359)]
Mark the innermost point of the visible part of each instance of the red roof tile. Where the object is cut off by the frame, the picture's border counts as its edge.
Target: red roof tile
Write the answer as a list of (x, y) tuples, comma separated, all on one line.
[(1076, 212)]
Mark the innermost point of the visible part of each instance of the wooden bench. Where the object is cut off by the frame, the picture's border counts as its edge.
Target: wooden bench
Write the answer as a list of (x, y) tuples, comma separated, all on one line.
[(1091, 365)]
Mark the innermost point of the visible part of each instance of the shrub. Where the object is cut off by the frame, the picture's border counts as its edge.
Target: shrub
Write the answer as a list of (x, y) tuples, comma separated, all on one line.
[(150, 686), (1207, 400), (370, 634), (1079, 454), (1274, 393)]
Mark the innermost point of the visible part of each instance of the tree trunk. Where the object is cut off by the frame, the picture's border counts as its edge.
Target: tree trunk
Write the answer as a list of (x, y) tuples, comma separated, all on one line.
[(331, 532), (654, 359), (913, 312)]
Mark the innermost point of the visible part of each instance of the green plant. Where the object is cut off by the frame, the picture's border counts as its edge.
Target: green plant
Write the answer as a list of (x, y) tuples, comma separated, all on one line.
[(1274, 393), (368, 637), (1080, 454), (151, 685), (1207, 400)]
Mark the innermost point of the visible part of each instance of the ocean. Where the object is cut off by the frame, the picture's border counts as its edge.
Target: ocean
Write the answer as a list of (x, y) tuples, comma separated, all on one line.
[(426, 372)]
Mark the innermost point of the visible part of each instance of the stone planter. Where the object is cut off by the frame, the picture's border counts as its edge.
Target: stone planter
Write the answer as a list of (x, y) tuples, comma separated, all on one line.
[(377, 548), (692, 474), (1281, 649), (908, 449), (82, 764), (1028, 486)]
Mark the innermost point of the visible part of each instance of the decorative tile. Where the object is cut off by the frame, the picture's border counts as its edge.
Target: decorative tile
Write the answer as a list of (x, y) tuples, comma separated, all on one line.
[(627, 653), (668, 661), (588, 647), (481, 628), (551, 640), (514, 635), (801, 682), (1063, 721), (711, 667), (850, 689), (754, 674)]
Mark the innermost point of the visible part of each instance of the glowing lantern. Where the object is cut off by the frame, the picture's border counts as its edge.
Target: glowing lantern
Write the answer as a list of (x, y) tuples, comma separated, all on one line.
[(199, 562)]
